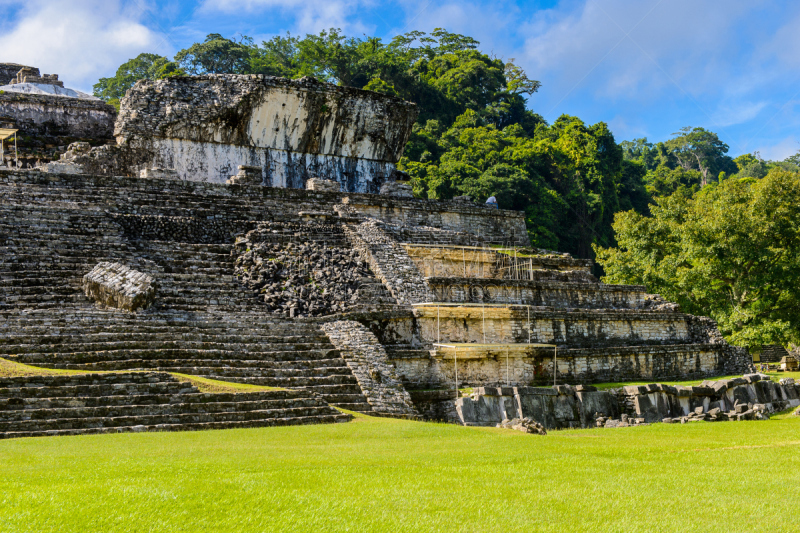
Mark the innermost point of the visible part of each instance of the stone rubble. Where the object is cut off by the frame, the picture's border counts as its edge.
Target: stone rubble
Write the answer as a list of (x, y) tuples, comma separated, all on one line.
[(317, 184), (525, 425), (304, 278), (397, 188), (246, 175)]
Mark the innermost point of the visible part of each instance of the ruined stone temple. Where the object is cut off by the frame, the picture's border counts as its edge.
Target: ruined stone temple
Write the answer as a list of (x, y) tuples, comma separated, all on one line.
[(252, 230), (40, 105)]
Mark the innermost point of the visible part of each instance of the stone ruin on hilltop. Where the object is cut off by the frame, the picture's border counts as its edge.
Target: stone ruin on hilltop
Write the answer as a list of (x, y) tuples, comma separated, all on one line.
[(203, 128), (295, 274), (48, 115)]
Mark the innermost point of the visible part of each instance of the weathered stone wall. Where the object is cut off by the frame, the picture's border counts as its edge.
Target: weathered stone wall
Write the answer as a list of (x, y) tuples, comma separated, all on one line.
[(471, 262), (490, 225), (552, 293), (8, 71), (205, 126), (55, 116), (367, 359), (558, 407), (747, 398), (496, 366), (578, 328)]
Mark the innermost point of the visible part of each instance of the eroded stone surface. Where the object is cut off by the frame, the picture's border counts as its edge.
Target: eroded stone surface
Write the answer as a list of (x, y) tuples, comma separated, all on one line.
[(115, 285), (367, 359), (204, 126)]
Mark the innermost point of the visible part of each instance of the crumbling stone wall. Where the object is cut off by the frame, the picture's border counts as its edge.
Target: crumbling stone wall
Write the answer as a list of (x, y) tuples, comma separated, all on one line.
[(58, 116), (205, 126), (751, 397), (8, 72), (367, 359)]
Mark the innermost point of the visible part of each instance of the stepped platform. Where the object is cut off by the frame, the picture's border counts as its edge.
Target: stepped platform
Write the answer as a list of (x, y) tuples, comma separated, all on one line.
[(438, 273), (435, 260), (540, 293), (504, 364), (491, 323), (133, 402)]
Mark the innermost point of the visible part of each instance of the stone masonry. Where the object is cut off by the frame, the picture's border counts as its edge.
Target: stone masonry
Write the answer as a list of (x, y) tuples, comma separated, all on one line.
[(116, 285), (293, 130), (390, 262), (367, 359)]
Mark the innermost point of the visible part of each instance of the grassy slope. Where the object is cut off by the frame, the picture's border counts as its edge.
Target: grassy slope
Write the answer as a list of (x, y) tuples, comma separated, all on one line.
[(388, 475), (9, 369)]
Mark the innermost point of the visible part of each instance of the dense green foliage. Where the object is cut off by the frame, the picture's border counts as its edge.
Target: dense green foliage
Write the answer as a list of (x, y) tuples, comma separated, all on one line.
[(143, 66), (731, 251), (379, 474)]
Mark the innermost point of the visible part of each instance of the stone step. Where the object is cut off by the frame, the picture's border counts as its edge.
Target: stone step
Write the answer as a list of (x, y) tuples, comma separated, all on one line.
[(179, 406), (292, 366), (179, 422), (311, 382), (53, 402), (289, 352), (329, 419)]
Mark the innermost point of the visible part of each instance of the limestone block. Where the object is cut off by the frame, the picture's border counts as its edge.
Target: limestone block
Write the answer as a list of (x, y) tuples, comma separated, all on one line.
[(317, 184), (247, 175), (397, 188), (116, 285), (158, 174), (60, 167)]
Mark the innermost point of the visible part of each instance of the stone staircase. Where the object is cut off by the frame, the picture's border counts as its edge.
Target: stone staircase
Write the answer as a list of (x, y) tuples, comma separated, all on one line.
[(146, 401), (203, 322)]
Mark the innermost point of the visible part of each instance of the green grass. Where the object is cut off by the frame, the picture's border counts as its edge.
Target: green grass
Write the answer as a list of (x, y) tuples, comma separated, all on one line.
[(376, 474), (10, 369)]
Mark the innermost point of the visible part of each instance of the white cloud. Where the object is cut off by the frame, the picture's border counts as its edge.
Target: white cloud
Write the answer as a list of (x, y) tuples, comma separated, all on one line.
[(310, 16), (736, 113), (79, 40), (781, 150)]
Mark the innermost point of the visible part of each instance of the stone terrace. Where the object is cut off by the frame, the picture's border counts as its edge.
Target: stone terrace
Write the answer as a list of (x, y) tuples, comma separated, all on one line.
[(147, 401)]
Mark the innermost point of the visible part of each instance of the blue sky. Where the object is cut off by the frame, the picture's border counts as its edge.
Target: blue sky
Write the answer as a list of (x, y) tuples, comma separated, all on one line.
[(645, 67)]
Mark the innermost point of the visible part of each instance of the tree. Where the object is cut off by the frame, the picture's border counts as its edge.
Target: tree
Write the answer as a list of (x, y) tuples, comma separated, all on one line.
[(143, 66), (216, 55), (730, 252), (698, 148)]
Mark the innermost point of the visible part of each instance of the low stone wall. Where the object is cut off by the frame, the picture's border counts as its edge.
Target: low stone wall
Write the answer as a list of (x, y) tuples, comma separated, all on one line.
[(558, 407), (574, 329), (367, 359), (55, 116), (472, 262), (563, 406), (182, 229), (536, 293), (657, 402)]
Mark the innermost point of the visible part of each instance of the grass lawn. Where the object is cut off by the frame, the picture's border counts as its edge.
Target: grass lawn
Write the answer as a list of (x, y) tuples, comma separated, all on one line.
[(376, 474)]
